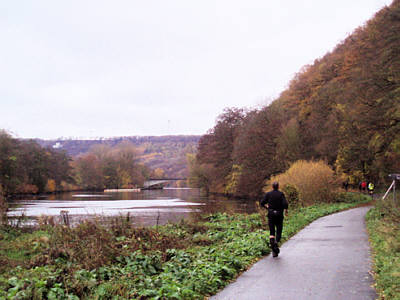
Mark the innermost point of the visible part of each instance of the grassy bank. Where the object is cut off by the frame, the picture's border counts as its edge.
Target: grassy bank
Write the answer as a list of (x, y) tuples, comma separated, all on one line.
[(383, 223), (189, 260)]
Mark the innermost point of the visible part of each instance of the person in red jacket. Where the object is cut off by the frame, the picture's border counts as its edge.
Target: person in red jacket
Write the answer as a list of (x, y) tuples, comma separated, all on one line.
[(276, 204), (364, 186)]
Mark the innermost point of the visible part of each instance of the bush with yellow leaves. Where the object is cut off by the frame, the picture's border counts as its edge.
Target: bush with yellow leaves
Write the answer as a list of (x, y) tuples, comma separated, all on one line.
[(308, 182)]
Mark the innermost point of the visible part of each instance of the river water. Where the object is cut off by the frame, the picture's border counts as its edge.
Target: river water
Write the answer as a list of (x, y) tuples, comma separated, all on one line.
[(148, 207)]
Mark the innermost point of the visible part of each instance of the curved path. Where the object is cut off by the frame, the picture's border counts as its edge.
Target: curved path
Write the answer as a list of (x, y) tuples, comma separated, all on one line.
[(329, 259)]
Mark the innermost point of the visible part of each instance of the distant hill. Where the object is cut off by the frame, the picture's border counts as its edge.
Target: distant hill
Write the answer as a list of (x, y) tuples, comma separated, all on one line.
[(165, 152)]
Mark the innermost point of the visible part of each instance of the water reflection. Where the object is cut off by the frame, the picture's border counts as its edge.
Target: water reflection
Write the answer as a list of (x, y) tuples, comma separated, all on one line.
[(145, 207)]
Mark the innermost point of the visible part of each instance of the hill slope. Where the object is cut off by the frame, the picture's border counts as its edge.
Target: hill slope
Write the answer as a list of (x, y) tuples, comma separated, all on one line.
[(165, 152), (344, 108)]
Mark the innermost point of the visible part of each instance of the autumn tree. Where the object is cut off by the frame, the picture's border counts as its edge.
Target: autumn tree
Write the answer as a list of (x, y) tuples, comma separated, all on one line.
[(111, 167), (26, 167), (215, 150), (200, 175), (89, 173), (255, 149), (8, 163)]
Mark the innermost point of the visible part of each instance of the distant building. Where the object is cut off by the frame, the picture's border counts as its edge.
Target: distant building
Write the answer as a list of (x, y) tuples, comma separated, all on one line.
[(57, 145)]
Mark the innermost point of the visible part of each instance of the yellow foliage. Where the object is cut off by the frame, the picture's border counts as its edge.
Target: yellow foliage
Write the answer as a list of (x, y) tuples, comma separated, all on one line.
[(158, 173), (125, 179), (51, 186), (233, 179), (181, 183), (314, 181)]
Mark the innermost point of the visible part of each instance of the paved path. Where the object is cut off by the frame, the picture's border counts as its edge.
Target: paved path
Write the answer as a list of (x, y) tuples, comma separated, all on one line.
[(329, 259)]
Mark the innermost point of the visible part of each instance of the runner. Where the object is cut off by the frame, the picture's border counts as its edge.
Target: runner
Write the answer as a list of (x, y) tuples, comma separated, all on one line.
[(276, 204)]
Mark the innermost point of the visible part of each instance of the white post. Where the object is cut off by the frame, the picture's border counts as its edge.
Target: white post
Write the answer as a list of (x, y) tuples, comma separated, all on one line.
[(387, 192)]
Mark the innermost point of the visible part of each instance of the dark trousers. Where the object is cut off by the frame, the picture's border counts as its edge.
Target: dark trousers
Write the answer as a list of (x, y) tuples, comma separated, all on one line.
[(275, 222)]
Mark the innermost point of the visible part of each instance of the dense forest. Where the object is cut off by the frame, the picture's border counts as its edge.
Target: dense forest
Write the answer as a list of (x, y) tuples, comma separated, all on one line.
[(34, 166), (344, 109)]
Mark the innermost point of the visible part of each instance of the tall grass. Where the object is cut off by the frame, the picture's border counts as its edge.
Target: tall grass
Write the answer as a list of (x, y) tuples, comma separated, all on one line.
[(92, 244), (308, 182), (383, 223)]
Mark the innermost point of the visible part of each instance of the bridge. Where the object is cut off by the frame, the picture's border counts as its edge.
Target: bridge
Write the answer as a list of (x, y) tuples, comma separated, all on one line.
[(158, 183)]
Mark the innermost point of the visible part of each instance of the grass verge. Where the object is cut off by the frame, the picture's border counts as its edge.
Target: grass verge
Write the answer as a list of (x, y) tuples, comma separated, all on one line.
[(383, 223), (176, 261)]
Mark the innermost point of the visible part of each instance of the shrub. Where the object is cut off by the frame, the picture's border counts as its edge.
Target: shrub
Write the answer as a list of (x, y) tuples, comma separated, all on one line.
[(51, 186), (3, 208), (308, 181), (27, 188), (66, 187), (351, 197), (291, 193), (92, 244), (383, 223)]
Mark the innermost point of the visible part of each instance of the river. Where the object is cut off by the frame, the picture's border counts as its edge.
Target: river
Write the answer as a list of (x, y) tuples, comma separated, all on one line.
[(148, 207)]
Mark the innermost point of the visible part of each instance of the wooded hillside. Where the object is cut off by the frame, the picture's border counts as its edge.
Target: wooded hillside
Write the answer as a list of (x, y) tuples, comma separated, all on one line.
[(344, 108), (28, 166), (166, 153)]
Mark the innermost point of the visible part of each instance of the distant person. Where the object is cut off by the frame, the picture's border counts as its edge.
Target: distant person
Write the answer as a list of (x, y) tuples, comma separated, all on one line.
[(364, 186), (346, 185), (276, 203), (371, 188)]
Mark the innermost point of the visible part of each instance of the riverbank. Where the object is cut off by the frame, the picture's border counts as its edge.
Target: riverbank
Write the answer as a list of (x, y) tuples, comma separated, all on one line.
[(188, 260), (383, 223)]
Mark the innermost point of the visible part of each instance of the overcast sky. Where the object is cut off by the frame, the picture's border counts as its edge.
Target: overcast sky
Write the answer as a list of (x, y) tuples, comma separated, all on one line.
[(156, 67)]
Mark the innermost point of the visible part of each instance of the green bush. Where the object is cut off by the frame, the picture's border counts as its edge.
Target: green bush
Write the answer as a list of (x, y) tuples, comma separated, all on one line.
[(292, 194), (351, 197)]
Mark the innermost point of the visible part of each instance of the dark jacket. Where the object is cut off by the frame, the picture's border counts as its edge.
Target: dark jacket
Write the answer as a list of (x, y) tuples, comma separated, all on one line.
[(276, 201)]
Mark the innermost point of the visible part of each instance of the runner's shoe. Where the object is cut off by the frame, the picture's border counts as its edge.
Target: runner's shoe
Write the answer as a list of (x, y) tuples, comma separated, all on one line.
[(275, 250), (274, 254)]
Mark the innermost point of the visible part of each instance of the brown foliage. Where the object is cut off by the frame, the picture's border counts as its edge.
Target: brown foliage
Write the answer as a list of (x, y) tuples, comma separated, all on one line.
[(26, 167), (92, 244), (343, 109), (110, 167), (255, 149), (216, 148)]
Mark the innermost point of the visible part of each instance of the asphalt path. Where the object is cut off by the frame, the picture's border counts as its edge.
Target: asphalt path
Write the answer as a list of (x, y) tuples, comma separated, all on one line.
[(329, 259)]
